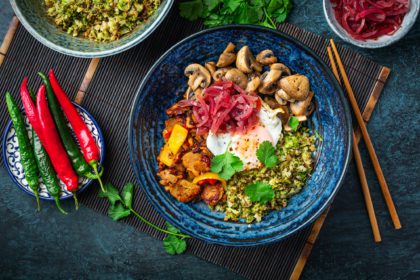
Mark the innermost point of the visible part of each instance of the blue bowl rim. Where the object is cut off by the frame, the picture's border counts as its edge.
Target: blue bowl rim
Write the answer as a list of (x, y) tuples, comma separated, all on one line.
[(324, 67), (89, 182), (94, 54)]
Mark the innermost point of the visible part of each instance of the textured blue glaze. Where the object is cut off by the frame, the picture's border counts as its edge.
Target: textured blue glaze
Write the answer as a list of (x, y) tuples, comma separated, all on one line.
[(165, 83), (11, 158), (32, 14)]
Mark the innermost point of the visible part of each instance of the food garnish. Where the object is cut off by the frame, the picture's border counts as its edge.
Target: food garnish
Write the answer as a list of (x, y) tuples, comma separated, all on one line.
[(259, 192), (369, 19), (216, 12), (27, 156), (87, 143), (266, 153), (293, 123), (122, 206), (226, 165), (103, 21)]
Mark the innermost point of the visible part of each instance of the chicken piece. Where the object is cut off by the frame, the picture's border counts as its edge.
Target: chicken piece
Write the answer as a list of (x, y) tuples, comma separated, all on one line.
[(212, 194), (167, 178), (184, 191), (195, 163)]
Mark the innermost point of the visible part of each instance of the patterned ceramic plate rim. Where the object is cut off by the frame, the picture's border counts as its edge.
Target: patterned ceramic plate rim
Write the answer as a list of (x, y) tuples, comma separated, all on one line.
[(88, 182), (347, 124)]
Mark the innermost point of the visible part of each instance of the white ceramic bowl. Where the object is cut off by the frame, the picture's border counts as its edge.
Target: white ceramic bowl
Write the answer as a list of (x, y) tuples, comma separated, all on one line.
[(408, 22)]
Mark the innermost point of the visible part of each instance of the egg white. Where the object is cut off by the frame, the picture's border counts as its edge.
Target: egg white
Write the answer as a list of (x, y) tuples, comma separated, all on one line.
[(269, 128)]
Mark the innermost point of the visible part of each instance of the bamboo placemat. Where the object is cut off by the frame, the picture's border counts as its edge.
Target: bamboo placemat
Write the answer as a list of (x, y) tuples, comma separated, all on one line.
[(106, 88)]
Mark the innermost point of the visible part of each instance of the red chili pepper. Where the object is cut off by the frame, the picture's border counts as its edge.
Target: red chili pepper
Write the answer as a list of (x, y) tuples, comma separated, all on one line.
[(52, 143), (87, 143), (30, 109)]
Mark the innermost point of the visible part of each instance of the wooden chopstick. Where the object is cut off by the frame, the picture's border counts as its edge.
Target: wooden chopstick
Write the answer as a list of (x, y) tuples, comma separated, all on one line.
[(360, 169), (368, 141)]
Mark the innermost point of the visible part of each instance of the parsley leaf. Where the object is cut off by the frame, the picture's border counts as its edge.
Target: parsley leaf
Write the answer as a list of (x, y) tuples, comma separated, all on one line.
[(226, 165), (111, 193), (266, 153), (293, 123), (259, 192), (191, 10), (118, 211), (174, 245)]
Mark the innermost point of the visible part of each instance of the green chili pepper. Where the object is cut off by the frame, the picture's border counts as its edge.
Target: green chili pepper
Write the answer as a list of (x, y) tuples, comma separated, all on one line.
[(79, 164), (27, 156), (48, 175)]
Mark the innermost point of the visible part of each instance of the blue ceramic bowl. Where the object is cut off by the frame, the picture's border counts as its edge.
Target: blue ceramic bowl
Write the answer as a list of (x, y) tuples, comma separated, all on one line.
[(32, 15), (164, 85), (11, 157)]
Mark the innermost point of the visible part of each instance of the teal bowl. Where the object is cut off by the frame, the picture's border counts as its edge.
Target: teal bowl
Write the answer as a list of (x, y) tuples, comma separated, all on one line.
[(32, 15)]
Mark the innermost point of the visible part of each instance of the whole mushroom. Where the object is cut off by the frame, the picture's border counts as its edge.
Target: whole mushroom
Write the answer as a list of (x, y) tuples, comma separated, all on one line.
[(198, 76), (266, 57), (295, 86), (245, 61), (237, 77)]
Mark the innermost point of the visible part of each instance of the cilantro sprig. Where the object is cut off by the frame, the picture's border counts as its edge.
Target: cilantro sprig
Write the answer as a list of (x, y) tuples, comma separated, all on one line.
[(218, 12), (259, 192), (226, 165), (122, 206), (266, 153), (293, 123)]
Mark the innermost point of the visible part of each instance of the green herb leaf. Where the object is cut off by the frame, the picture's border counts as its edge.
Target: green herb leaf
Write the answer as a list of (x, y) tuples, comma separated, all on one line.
[(226, 165), (318, 136), (191, 10), (171, 228), (266, 153), (259, 192), (111, 193), (293, 123), (118, 211), (127, 194), (174, 245), (211, 4)]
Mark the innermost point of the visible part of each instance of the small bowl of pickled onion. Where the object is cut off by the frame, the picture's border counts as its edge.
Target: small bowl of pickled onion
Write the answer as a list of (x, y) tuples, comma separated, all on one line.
[(371, 23)]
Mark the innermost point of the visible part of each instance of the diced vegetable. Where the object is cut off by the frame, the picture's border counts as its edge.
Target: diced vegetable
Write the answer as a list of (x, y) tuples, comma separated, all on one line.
[(209, 177)]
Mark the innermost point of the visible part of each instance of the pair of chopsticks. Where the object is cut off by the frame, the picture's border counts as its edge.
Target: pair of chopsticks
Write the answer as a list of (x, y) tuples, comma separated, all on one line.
[(371, 150)]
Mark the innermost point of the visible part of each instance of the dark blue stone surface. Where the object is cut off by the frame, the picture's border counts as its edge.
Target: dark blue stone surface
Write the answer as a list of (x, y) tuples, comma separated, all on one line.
[(87, 245)]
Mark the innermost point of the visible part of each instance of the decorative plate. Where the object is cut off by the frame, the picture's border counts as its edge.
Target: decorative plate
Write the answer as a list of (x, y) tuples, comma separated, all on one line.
[(165, 83), (11, 157)]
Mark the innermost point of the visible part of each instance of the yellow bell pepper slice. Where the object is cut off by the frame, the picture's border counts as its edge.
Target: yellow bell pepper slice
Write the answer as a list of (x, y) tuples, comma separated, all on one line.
[(178, 136), (209, 176)]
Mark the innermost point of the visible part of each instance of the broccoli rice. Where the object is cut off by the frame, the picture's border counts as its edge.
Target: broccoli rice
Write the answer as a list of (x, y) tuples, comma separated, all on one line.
[(287, 178), (100, 20)]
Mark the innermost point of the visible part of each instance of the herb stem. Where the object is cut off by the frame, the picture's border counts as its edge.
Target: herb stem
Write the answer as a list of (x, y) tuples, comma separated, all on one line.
[(269, 18), (156, 227)]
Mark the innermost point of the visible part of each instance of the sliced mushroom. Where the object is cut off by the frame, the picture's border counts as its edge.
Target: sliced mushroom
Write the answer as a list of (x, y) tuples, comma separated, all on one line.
[(269, 82), (300, 108), (283, 95), (245, 61), (283, 68), (271, 102), (296, 86), (284, 114), (266, 57), (237, 77), (227, 57), (253, 83), (198, 76), (211, 66), (219, 74), (280, 100)]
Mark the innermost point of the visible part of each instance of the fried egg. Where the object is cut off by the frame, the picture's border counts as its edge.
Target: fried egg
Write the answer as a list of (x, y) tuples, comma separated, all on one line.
[(269, 128)]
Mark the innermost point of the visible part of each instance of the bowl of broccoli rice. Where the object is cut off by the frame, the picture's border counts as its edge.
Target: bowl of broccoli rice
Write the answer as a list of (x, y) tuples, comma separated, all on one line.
[(91, 28)]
